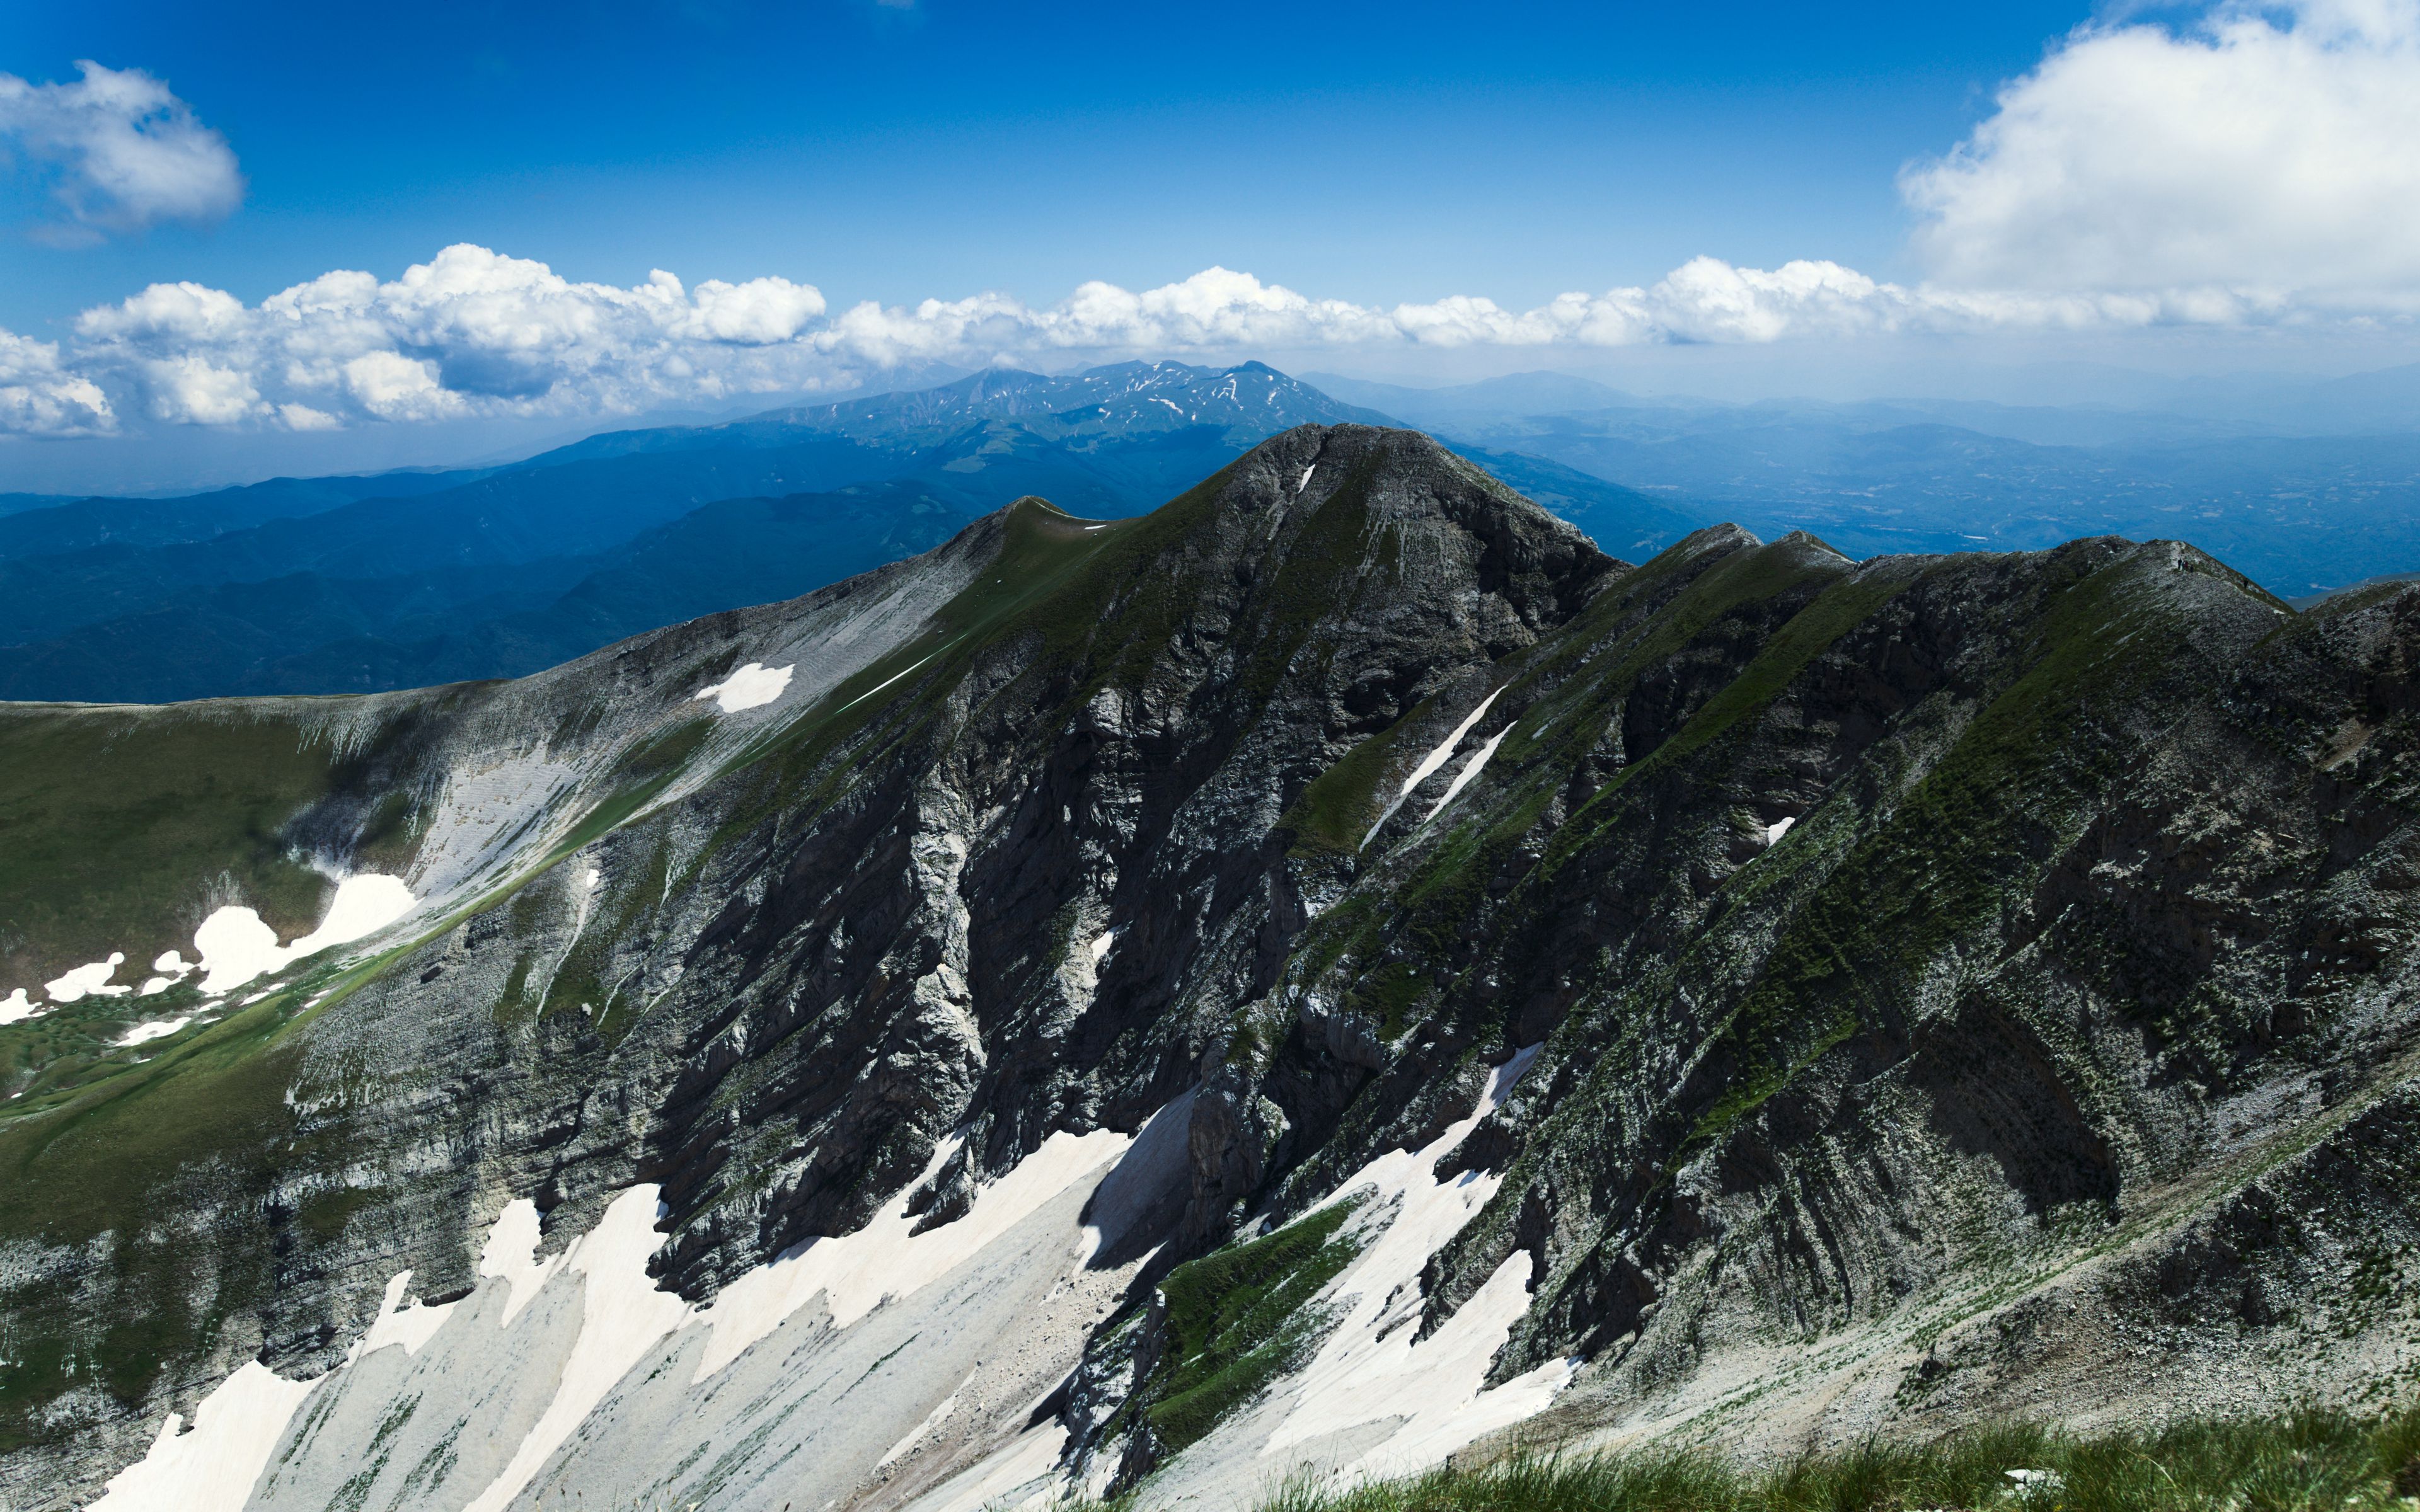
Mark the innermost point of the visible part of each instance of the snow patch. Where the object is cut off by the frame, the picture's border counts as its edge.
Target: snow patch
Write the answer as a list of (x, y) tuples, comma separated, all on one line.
[(17, 1005), (235, 945), (411, 1327), (1428, 766), (155, 1029), (1372, 1368), (751, 686), (1304, 481), (511, 1252), (1470, 769), (1103, 942), (621, 1315), (88, 981), (212, 1468), (1779, 827), (857, 1271)]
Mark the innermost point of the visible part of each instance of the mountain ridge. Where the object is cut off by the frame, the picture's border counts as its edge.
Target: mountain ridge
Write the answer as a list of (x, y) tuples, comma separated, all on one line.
[(1750, 994)]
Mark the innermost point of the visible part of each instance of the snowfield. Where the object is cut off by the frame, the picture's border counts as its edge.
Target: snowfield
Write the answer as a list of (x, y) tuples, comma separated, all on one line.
[(570, 1377)]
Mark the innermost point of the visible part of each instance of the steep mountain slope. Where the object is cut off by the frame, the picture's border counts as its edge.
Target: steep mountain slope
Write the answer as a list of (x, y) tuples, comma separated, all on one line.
[(1319, 974)]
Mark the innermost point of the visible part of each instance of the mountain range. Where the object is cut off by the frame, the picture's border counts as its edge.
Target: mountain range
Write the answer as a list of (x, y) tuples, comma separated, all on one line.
[(362, 584), (2314, 491), (368, 583), (1332, 972)]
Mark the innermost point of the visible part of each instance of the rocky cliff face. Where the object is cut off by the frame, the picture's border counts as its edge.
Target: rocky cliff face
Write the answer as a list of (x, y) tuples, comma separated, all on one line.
[(1085, 1003)]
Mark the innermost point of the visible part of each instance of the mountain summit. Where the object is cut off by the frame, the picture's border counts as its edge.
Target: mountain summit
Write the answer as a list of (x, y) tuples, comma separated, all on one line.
[(1323, 974)]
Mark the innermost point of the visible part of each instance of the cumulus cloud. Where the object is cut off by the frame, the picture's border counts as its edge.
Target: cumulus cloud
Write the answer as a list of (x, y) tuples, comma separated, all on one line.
[(2259, 160), (37, 397), (473, 333), (469, 331), (476, 332), (120, 151)]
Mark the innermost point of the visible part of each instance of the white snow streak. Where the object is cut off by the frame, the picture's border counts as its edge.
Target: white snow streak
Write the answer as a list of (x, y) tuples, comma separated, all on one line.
[(751, 686), (17, 1005), (1470, 769), (857, 1271), (1371, 1369), (511, 1252), (411, 1327), (885, 683), (155, 1029), (171, 968), (1103, 942), (1026, 1459), (1428, 766), (1779, 827), (212, 1468), (621, 1314)]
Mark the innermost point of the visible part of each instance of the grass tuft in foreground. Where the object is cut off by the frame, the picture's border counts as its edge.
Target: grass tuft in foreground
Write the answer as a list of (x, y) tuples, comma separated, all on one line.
[(2309, 1459)]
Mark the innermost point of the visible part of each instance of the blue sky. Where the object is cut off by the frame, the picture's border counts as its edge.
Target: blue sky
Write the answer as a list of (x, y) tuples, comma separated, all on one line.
[(280, 236), (1379, 152)]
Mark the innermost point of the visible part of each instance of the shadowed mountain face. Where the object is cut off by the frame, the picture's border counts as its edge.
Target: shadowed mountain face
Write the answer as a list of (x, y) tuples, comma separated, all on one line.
[(1322, 973)]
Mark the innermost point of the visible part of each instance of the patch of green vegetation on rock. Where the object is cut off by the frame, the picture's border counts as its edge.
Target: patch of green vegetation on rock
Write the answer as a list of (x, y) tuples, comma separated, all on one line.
[(1388, 996), (1946, 863), (1238, 1319)]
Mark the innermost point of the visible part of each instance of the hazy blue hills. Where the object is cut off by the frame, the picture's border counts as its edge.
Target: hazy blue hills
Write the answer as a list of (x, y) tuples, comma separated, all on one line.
[(356, 584), (1111, 406), (360, 583), (324, 634), (53, 524), (2299, 511)]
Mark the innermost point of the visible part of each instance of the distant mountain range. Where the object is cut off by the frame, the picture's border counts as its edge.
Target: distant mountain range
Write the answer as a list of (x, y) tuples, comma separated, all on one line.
[(2300, 511), (359, 584)]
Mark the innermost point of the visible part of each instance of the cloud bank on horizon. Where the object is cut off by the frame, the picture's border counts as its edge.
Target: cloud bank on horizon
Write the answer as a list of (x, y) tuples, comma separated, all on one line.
[(2260, 165)]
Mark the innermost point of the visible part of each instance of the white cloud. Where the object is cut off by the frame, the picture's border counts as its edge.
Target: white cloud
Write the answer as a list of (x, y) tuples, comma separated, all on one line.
[(39, 398), (2262, 160), (121, 152), (475, 333), (191, 389), (468, 332)]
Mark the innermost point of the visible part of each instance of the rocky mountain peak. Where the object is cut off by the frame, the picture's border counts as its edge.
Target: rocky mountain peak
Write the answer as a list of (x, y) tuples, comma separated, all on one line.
[(1335, 958)]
